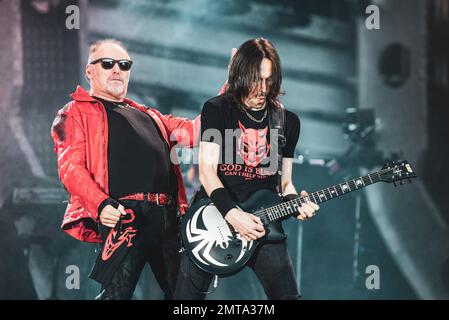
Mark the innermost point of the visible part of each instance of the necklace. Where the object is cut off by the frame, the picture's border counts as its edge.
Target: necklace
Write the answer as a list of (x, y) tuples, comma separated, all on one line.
[(121, 105), (254, 119)]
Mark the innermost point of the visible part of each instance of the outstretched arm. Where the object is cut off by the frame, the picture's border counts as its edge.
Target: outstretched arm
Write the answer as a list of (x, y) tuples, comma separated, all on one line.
[(183, 131)]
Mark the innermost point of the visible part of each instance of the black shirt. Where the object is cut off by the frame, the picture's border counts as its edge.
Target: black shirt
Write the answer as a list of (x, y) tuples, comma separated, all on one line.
[(138, 156), (248, 164)]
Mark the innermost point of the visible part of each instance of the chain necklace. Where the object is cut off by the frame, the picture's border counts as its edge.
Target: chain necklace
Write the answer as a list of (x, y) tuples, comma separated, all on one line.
[(254, 119), (121, 105)]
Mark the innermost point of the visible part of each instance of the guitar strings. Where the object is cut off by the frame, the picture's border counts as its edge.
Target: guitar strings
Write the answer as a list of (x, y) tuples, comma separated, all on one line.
[(289, 204)]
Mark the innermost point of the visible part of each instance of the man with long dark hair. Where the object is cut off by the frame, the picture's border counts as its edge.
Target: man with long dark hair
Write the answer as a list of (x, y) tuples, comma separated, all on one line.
[(231, 170)]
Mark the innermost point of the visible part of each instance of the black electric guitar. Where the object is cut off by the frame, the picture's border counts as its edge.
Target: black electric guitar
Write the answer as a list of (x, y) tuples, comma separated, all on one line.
[(214, 246)]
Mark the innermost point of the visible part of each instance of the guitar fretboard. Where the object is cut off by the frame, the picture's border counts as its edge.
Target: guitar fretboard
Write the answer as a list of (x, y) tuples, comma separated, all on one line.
[(291, 207)]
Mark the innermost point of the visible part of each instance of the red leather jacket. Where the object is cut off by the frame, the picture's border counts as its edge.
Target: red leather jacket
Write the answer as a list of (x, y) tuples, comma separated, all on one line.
[(80, 134)]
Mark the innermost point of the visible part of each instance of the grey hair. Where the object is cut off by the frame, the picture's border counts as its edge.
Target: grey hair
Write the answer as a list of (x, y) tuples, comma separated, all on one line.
[(94, 46)]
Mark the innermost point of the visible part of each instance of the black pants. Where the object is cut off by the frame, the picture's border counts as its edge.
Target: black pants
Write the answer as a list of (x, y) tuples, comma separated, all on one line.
[(271, 263), (157, 243)]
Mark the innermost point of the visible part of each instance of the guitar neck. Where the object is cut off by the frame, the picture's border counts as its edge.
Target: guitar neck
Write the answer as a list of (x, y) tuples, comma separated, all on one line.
[(289, 208)]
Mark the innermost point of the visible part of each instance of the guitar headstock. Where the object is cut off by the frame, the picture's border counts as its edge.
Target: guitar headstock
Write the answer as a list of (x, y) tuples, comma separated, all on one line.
[(397, 171)]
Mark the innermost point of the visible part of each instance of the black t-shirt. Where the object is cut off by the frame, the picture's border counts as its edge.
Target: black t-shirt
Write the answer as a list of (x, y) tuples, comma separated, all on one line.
[(247, 161), (138, 156)]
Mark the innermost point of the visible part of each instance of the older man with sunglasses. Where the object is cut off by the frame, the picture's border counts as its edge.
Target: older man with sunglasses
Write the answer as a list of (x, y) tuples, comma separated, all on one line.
[(114, 161)]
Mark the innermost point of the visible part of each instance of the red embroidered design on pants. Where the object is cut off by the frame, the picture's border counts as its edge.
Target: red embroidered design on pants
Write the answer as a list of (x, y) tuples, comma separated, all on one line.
[(114, 241)]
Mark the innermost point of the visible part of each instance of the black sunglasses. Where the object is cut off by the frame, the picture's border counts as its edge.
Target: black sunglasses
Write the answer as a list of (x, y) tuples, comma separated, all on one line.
[(108, 63)]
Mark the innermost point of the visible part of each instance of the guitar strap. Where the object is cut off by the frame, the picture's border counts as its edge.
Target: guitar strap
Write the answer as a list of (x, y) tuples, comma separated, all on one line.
[(276, 119)]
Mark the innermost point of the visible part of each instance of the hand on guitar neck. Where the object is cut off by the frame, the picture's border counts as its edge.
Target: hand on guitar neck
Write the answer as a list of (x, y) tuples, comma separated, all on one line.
[(308, 209), (251, 227), (247, 225)]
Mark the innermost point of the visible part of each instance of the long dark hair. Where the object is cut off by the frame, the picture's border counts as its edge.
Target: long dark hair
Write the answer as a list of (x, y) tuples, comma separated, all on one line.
[(244, 71)]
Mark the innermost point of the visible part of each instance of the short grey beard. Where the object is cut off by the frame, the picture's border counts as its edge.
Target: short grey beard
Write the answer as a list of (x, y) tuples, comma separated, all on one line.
[(115, 92)]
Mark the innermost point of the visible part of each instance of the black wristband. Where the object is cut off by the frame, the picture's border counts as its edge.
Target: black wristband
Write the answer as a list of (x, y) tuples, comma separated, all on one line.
[(289, 197), (222, 200), (105, 202)]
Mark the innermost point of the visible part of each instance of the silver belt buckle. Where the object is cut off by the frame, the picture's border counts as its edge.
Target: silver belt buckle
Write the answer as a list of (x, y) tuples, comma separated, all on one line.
[(157, 199)]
